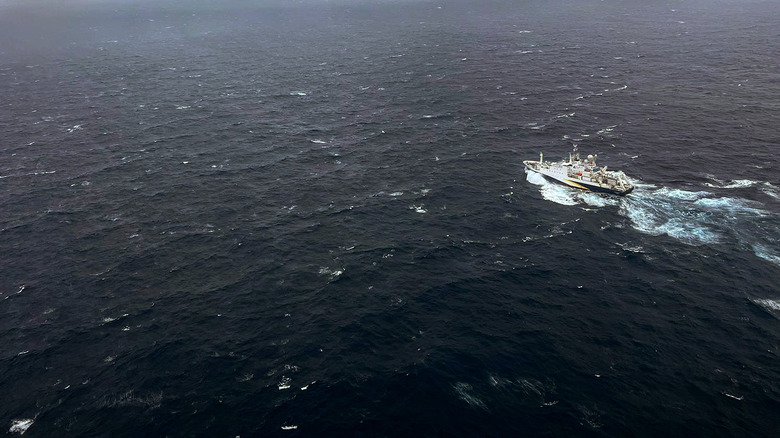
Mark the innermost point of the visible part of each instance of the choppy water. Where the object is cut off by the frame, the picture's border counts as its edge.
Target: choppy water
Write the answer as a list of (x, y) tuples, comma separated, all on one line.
[(263, 219)]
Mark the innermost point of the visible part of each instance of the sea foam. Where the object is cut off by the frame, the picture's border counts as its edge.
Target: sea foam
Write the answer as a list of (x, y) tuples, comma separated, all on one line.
[(694, 217)]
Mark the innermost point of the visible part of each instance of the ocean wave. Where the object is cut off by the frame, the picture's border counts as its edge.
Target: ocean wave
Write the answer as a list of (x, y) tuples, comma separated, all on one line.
[(764, 252), (763, 186), (20, 426), (733, 184), (768, 304), (770, 190), (465, 392)]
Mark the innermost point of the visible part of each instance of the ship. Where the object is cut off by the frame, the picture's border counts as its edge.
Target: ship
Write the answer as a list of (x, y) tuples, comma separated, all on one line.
[(582, 174)]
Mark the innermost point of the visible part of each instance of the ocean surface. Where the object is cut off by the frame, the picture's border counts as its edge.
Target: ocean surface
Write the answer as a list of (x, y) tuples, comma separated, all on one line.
[(311, 219)]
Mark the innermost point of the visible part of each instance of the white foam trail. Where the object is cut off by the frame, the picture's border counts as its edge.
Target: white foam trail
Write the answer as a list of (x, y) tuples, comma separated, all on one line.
[(658, 219), (670, 212), (691, 217), (697, 217)]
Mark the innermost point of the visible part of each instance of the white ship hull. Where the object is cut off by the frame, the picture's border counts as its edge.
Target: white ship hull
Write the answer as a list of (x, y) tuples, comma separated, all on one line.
[(582, 174)]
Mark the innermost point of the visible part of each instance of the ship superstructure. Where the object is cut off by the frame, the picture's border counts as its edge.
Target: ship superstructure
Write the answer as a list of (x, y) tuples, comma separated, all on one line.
[(582, 174)]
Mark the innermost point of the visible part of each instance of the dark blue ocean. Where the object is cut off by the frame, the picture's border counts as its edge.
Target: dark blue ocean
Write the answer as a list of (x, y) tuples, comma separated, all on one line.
[(311, 218)]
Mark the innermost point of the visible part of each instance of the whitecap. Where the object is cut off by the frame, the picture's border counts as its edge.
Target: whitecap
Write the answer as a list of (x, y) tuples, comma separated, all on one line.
[(631, 248), (318, 141), (680, 194), (463, 391), (606, 130), (733, 184), (731, 205), (21, 425), (771, 305), (334, 274), (770, 190), (682, 229), (418, 208), (765, 253)]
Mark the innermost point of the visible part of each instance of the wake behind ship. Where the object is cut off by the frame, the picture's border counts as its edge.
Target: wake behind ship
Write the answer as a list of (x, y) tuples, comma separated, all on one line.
[(582, 174)]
